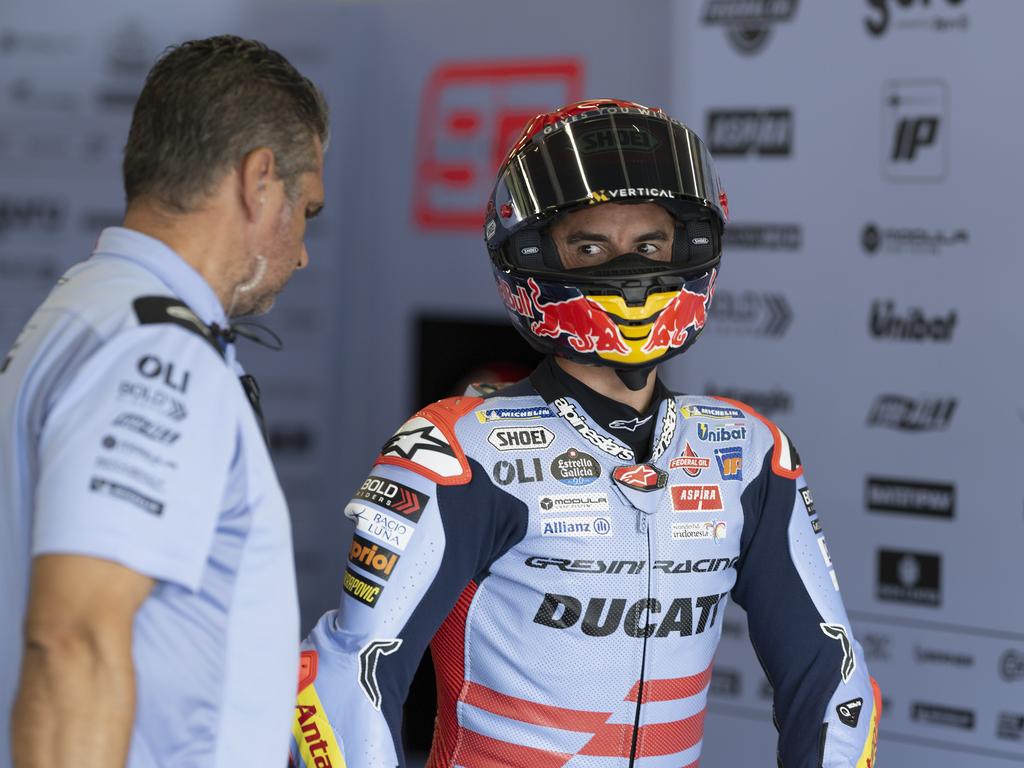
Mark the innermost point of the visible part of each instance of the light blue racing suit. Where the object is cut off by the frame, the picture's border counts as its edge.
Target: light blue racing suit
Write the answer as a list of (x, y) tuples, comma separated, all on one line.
[(573, 599)]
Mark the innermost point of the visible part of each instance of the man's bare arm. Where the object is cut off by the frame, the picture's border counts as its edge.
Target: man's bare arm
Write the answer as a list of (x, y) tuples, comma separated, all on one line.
[(76, 698)]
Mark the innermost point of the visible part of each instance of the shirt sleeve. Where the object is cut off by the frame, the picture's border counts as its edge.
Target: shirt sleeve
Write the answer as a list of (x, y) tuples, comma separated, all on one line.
[(135, 454)]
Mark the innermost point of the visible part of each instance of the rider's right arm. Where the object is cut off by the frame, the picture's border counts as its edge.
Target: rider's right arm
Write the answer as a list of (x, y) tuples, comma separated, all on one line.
[(421, 539)]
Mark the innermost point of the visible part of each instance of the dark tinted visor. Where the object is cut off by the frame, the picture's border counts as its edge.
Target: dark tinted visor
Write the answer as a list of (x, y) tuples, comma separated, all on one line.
[(624, 155)]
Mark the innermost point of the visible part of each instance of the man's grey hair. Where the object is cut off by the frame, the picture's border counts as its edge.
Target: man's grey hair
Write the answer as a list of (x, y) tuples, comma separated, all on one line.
[(205, 105)]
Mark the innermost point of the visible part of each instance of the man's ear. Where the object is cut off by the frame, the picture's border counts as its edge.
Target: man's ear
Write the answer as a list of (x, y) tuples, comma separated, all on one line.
[(258, 174)]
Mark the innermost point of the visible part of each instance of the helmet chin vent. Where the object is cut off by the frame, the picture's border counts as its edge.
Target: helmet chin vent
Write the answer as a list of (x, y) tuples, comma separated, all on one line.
[(635, 379)]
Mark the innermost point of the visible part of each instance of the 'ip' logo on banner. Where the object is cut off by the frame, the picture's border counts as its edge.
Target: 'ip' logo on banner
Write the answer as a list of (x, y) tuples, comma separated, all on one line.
[(471, 114), (915, 130)]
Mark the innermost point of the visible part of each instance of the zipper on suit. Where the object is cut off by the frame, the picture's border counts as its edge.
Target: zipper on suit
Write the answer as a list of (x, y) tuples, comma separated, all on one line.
[(643, 655)]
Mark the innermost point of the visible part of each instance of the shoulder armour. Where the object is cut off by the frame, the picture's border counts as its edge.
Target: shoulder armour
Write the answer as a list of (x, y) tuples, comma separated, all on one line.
[(785, 459), (426, 443)]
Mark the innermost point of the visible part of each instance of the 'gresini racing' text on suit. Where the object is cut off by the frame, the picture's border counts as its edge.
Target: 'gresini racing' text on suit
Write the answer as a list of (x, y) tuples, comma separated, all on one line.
[(574, 599)]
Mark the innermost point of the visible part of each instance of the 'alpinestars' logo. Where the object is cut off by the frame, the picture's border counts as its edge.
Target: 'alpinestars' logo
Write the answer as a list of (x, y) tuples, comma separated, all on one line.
[(406, 444), (631, 424)]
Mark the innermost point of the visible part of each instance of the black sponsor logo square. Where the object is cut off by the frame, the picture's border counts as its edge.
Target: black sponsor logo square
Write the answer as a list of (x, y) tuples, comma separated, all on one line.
[(909, 577), (943, 715), (889, 495), (1010, 726)]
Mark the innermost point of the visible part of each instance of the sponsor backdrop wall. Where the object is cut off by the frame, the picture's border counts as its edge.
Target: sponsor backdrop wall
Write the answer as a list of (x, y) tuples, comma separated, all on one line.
[(867, 299), (854, 140)]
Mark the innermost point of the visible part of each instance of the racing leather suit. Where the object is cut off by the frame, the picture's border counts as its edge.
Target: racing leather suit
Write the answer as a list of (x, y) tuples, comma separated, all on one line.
[(574, 599)]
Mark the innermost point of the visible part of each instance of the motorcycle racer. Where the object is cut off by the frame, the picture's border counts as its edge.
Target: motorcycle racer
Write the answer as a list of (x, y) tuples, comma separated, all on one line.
[(568, 545)]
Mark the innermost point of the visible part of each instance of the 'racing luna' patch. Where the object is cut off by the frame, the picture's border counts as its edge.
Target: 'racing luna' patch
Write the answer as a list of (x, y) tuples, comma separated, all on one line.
[(390, 531), (394, 497), (363, 590)]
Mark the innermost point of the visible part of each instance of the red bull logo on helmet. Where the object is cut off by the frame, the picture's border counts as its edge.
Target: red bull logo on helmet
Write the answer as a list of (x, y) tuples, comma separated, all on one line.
[(586, 327), (686, 314), (518, 301), (603, 325)]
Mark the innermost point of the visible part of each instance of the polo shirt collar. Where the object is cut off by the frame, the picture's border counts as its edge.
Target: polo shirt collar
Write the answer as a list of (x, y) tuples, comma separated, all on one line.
[(158, 258)]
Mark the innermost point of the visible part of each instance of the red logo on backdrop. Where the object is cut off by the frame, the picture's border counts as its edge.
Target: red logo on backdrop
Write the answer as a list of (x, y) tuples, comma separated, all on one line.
[(690, 462), (470, 115), (696, 498), (642, 477)]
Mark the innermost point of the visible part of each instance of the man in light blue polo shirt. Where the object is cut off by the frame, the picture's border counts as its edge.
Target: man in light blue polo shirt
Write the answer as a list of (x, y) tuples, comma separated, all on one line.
[(149, 600)]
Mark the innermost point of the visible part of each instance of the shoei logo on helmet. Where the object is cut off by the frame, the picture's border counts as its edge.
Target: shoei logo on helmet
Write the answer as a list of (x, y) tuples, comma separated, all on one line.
[(604, 140)]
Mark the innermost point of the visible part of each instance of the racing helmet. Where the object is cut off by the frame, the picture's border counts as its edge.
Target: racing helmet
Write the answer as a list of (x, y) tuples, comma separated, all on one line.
[(631, 312)]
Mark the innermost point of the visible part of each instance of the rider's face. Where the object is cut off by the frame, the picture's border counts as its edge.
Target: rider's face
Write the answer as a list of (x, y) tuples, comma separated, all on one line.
[(591, 236)]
